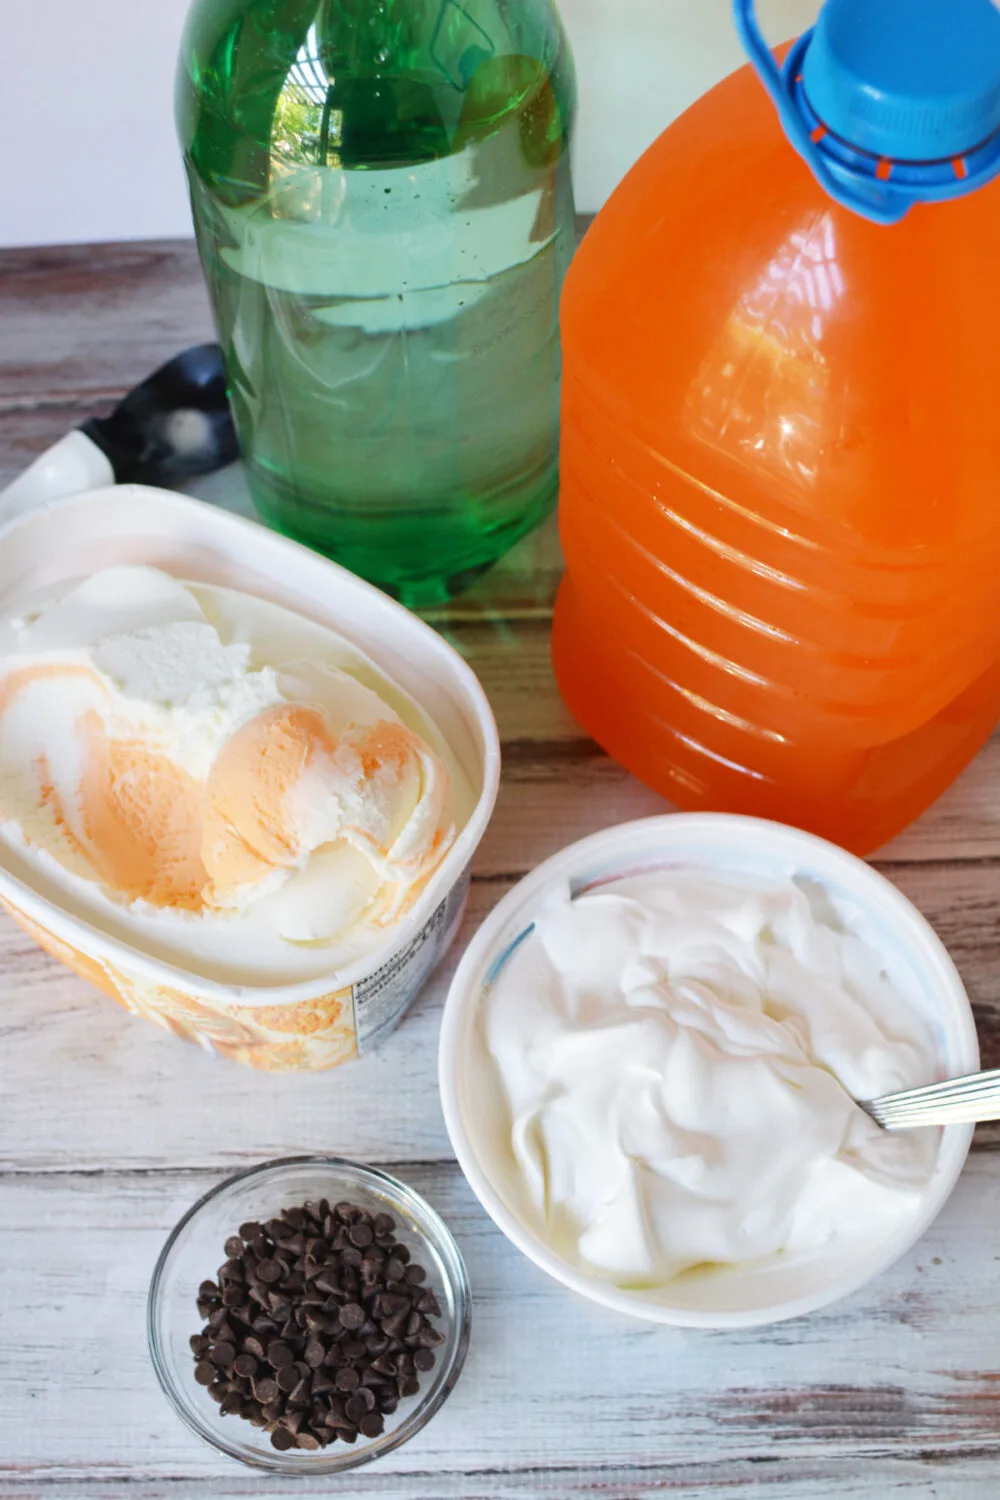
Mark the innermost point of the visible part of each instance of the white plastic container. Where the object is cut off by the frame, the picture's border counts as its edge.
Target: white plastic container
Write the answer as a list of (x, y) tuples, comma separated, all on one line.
[(916, 961), (321, 1022)]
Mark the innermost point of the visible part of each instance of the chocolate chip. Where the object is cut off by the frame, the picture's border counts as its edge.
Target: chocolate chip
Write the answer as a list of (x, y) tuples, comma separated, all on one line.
[(282, 1439), (390, 1303), (356, 1409), (396, 1325), (352, 1315), (331, 1301), (315, 1354)]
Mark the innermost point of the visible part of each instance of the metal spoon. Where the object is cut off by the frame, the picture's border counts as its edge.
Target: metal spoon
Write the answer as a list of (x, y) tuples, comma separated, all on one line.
[(958, 1101)]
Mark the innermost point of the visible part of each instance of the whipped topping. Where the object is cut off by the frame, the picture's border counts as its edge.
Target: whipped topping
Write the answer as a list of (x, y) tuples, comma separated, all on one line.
[(679, 1053), (215, 780)]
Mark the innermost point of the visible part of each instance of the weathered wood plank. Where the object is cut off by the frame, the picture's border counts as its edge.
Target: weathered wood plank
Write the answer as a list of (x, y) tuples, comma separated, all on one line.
[(906, 1366), (934, 1477), (80, 319)]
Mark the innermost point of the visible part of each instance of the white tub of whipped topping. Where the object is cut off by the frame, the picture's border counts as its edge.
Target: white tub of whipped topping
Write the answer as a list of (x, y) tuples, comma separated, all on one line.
[(649, 1055), (142, 629)]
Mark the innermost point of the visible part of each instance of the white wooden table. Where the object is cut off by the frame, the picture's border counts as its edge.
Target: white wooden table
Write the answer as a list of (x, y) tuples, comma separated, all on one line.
[(110, 1128)]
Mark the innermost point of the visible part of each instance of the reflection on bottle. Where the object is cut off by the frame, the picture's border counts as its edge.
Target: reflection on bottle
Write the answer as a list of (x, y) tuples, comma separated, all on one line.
[(459, 44), (763, 394)]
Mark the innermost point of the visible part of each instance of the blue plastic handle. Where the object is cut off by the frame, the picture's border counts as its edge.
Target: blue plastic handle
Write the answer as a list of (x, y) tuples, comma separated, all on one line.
[(880, 204)]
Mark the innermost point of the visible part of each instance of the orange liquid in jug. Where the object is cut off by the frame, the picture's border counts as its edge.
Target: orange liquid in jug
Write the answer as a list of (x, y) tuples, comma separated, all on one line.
[(780, 501)]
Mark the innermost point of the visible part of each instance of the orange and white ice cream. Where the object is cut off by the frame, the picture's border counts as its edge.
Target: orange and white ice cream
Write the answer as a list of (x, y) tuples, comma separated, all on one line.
[(215, 780)]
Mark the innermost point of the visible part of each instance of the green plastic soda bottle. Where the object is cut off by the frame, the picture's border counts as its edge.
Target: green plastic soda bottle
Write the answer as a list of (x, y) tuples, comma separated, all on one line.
[(383, 206)]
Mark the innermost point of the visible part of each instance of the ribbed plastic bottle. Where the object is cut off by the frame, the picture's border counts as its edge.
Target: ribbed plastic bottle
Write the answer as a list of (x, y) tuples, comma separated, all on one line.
[(780, 499)]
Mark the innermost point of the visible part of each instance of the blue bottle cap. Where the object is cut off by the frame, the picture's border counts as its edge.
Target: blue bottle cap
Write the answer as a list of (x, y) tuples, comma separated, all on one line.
[(891, 102), (907, 80)]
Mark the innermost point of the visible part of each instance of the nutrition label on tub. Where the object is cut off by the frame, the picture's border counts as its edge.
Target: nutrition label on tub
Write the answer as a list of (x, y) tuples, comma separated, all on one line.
[(381, 999)]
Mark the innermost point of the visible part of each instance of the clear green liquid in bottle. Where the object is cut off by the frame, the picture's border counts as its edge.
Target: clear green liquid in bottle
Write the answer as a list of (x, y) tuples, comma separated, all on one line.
[(384, 212)]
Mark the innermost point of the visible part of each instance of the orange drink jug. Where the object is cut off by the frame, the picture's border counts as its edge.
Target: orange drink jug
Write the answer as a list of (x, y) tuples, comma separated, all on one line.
[(780, 502)]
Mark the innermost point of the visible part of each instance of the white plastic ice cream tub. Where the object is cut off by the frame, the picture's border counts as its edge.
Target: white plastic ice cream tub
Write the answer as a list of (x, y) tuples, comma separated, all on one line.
[(310, 1024), (475, 1110)]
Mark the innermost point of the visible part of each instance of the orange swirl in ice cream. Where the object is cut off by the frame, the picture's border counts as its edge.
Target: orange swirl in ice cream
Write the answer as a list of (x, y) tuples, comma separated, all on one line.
[(166, 775), (281, 778), (250, 826)]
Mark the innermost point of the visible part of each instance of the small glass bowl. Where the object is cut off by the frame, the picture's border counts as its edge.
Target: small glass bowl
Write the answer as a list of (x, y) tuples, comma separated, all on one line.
[(195, 1250)]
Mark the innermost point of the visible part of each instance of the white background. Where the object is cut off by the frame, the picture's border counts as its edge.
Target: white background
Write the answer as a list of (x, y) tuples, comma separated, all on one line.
[(86, 109)]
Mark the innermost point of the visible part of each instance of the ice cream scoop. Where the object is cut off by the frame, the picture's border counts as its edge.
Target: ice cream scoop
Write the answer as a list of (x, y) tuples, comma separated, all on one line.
[(173, 426)]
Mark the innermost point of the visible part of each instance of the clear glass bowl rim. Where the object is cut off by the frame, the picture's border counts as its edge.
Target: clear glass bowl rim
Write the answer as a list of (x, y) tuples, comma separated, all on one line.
[(445, 1377)]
